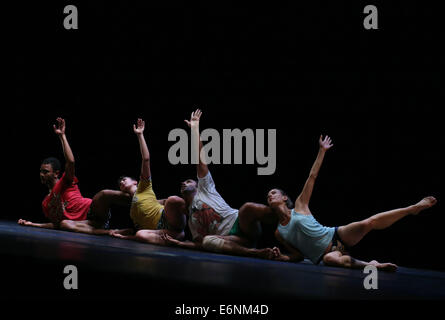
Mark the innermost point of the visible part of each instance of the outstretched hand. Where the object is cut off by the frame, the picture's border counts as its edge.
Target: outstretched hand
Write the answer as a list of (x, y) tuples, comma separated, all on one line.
[(23, 222), (60, 128), (139, 129), (194, 118), (325, 143)]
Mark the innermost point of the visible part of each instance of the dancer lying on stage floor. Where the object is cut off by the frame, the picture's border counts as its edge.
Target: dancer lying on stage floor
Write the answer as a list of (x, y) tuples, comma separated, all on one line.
[(151, 217), (214, 225), (65, 206), (303, 236)]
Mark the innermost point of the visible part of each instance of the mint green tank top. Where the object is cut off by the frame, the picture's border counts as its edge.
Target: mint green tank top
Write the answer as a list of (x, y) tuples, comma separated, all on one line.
[(306, 234)]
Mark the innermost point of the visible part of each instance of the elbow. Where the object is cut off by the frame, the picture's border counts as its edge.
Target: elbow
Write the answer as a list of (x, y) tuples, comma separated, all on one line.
[(146, 159), (313, 175)]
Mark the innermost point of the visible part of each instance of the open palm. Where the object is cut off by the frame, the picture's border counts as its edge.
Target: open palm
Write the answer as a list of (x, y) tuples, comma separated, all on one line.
[(60, 128), (139, 128), (194, 118), (325, 143)]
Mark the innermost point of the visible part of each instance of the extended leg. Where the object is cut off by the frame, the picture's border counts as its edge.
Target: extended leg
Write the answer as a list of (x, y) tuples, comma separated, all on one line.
[(224, 245), (155, 236), (352, 233), (84, 226)]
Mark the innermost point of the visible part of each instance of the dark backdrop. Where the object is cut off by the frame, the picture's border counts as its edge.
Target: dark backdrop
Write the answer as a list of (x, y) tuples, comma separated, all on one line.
[(303, 69)]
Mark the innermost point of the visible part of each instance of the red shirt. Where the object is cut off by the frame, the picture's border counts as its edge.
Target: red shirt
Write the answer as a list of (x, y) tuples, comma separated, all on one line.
[(66, 202)]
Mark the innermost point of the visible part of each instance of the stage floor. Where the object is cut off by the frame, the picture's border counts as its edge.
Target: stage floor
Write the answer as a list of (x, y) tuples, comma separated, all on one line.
[(33, 260)]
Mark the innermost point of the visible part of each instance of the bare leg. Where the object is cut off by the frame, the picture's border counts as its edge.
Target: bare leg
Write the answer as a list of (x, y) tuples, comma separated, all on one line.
[(249, 217), (232, 247), (155, 236), (174, 209), (237, 239), (84, 226), (175, 213), (337, 259), (104, 199), (352, 233), (100, 207)]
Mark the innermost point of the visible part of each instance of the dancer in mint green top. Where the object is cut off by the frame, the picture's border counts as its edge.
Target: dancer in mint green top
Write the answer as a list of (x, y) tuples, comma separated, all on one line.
[(303, 236), (304, 232)]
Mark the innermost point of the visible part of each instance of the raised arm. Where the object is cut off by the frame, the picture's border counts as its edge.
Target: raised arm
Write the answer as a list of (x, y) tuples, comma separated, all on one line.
[(68, 154), (193, 124), (302, 202), (139, 130)]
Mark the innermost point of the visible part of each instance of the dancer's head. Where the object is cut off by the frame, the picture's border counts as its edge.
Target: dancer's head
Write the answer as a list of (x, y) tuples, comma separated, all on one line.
[(188, 187), (126, 183), (49, 170), (277, 197)]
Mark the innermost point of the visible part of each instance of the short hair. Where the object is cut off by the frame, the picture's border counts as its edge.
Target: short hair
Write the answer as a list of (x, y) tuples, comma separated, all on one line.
[(54, 162), (122, 177), (289, 202)]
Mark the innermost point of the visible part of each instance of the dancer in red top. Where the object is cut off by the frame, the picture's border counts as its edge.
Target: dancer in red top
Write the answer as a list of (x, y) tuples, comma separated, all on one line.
[(64, 206)]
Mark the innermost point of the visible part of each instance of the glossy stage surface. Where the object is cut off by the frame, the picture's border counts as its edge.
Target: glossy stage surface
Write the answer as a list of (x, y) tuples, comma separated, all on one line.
[(33, 261)]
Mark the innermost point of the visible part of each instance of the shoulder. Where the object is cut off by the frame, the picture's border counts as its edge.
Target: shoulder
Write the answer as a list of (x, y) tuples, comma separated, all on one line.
[(67, 181), (144, 183), (207, 176), (206, 181)]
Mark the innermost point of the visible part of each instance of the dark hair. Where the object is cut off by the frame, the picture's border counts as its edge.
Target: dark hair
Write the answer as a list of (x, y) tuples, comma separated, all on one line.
[(121, 178), (289, 202), (54, 162)]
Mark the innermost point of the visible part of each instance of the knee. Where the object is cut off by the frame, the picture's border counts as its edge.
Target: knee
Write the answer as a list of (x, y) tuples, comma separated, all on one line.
[(213, 243), (176, 203), (248, 206), (175, 200), (140, 235), (100, 195), (249, 210), (333, 259), (105, 193)]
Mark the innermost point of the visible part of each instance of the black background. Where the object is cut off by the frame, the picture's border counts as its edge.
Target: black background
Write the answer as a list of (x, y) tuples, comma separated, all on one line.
[(303, 69)]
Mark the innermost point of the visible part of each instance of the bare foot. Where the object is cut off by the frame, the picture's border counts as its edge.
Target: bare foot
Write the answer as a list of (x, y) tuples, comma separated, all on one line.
[(423, 204), (391, 267)]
